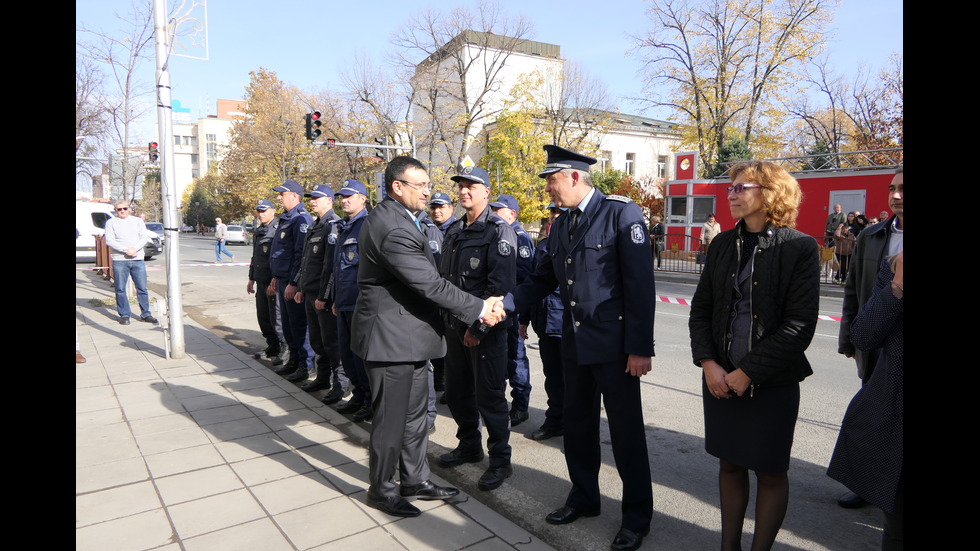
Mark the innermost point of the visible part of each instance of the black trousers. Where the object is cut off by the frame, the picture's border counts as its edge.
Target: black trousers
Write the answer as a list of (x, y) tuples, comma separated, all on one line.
[(620, 394), (322, 326), (267, 312), (476, 384)]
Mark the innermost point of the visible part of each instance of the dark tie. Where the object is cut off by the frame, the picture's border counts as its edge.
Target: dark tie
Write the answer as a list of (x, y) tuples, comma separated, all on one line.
[(573, 224)]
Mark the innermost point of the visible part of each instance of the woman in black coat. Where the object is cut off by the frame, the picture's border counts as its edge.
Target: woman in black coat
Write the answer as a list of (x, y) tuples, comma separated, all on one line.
[(752, 317)]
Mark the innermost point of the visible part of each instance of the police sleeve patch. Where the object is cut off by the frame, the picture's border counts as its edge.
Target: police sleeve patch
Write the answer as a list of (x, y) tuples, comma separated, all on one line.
[(303, 228), (638, 233), (524, 251), (503, 248)]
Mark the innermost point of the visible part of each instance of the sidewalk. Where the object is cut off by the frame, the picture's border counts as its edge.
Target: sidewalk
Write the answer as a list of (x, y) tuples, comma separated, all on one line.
[(215, 451)]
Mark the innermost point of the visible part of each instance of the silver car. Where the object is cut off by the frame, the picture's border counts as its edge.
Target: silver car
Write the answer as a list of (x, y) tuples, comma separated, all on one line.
[(237, 234)]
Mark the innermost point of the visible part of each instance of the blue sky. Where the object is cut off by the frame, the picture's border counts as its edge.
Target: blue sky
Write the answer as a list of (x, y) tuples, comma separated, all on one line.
[(309, 43)]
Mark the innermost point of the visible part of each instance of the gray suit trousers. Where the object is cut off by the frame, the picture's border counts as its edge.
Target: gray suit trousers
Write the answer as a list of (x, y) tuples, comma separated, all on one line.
[(399, 435)]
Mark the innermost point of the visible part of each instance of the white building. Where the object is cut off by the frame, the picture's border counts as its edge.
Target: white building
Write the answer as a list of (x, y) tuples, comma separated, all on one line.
[(202, 143), (639, 146)]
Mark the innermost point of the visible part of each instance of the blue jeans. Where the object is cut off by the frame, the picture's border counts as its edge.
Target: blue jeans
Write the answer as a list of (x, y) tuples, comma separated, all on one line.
[(122, 270), (219, 247)]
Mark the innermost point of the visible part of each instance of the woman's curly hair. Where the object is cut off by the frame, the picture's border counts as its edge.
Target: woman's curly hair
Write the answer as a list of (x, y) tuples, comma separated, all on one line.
[(781, 194)]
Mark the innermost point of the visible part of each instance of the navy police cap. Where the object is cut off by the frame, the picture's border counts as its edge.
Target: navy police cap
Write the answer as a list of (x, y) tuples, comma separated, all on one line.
[(351, 187), (560, 158), (289, 185), (264, 204), (505, 202), (473, 174), (440, 198), (322, 190)]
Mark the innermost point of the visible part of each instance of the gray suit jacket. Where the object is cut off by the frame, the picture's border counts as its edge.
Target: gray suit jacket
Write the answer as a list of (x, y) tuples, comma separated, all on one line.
[(396, 318)]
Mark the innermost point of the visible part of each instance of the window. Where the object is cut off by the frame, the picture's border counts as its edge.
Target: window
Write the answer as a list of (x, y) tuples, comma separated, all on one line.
[(630, 163), (605, 160), (661, 166), (212, 144), (703, 206), (677, 210)]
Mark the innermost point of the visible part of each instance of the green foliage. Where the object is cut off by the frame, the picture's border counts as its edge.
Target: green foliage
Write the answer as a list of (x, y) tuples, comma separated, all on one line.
[(734, 149)]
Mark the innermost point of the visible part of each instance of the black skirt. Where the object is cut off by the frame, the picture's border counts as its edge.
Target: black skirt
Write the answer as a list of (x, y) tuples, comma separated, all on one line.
[(754, 432)]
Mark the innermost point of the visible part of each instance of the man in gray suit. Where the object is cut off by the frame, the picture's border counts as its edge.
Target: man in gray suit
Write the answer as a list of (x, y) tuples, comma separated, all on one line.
[(396, 328)]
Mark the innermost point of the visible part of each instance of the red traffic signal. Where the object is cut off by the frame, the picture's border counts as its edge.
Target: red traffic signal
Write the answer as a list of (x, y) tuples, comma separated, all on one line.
[(313, 125), (154, 149)]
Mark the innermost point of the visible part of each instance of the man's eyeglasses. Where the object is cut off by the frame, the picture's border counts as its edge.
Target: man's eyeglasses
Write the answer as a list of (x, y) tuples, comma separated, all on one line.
[(739, 188), (120, 209), (418, 185)]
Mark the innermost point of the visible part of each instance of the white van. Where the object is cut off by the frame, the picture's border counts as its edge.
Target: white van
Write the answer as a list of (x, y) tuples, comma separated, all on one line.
[(90, 219)]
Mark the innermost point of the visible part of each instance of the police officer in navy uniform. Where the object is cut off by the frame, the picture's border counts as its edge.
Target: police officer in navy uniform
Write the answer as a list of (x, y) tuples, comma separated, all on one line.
[(343, 289), (321, 322), (478, 256), (518, 370), (441, 215), (285, 258), (598, 256), (546, 319), (259, 277), (434, 237)]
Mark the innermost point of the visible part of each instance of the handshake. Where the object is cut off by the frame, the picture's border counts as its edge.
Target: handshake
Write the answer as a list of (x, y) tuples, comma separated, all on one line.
[(493, 311)]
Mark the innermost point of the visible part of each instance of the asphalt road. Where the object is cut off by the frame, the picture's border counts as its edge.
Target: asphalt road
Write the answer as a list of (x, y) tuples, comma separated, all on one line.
[(685, 489)]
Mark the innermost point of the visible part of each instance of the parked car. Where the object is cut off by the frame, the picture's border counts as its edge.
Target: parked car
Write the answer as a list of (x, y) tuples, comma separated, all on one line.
[(157, 228), (90, 219), (237, 234), (187, 229)]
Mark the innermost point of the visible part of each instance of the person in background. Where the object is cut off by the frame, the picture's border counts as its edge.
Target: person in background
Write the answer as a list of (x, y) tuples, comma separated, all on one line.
[(657, 232), (220, 235), (869, 455), (753, 315), (709, 231), (441, 215), (126, 235)]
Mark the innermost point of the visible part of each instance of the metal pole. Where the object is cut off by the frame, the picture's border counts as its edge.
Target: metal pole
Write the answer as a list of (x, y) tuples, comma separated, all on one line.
[(167, 187)]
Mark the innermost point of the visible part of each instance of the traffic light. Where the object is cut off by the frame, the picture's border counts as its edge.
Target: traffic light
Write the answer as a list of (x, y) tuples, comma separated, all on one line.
[(379, 152), (154, 149), (331, 142), (313, 125)]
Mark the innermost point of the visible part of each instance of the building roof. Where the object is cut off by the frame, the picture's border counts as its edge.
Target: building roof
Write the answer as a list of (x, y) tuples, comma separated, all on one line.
[(495, 41)]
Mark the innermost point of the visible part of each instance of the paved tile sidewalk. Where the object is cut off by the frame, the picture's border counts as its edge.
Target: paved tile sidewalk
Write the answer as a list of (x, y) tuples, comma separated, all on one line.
[(215, 451)]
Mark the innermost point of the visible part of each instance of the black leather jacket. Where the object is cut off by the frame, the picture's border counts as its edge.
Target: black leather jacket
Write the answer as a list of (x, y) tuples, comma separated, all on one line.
[(785, 299)]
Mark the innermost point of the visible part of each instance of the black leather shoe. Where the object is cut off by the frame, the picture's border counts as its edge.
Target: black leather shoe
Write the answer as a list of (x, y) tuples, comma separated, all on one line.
[(124, 321), (301, 374), (517, 417), (393, 505), (628, 540), (350, 406), (566, 514), (336, 394), (850, 500), (427, 491), (366, 413), (458, 457), (150, 319), (313, 385), (276, 361), (286, 369), (494, 477), (545, 433)]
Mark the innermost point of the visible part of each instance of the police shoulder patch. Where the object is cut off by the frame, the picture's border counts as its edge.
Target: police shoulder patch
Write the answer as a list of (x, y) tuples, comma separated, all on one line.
[(620, 198), (303, 228), (524, 251), (637, 233), (504, 248)]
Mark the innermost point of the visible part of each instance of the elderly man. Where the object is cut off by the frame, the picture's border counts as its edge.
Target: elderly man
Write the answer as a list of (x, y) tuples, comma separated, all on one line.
[(126, 235), (220, 236), (396, 328), (598, 257)]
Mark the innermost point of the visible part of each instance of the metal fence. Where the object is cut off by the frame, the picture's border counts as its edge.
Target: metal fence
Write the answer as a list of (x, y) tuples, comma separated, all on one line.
[(684, 253)]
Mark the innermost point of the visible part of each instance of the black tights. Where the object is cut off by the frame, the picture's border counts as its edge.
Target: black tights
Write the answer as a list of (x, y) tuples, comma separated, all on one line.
[(772, 497)]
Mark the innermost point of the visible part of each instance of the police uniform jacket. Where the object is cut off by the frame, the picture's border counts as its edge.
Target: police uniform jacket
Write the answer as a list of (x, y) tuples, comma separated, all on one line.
[(258, 269), (346, 259), (433, 234), (286, 254), (445, 225), (481, 259), (525, 251), (396, 318), (605, 278), (545, 316), (315, 250)]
